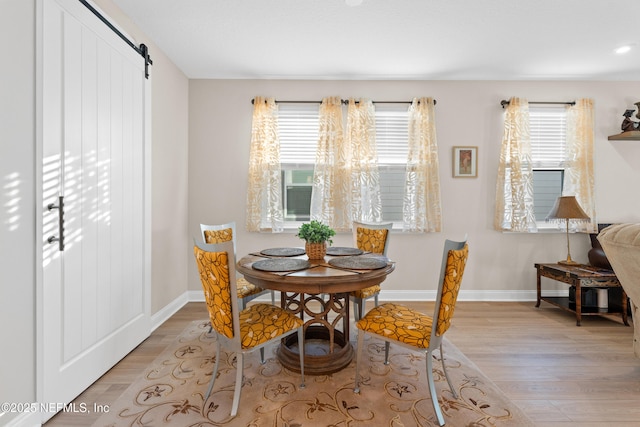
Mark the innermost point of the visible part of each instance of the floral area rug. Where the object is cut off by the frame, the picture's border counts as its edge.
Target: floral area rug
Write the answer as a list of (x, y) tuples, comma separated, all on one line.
[(171, 391)]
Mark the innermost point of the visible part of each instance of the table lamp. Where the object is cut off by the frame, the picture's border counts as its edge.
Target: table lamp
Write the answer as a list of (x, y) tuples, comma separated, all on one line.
[(566, 208)]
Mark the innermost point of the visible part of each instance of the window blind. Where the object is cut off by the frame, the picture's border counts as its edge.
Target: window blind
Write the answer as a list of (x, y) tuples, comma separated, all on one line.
[(392, 134), (298, 129), (548, 129)]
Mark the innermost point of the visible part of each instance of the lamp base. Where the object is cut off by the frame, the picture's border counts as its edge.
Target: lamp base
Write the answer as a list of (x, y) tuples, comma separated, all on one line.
[(568, 262)]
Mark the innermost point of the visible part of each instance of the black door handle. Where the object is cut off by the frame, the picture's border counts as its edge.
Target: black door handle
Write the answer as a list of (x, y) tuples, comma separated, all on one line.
[(60, 207)]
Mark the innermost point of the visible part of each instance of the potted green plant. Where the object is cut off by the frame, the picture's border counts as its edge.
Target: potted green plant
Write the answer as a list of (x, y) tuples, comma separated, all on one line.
[(316, 235)]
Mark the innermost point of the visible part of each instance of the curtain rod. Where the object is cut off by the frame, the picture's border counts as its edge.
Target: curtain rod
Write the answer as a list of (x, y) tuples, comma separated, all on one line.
[(505, 102), (344, 101)]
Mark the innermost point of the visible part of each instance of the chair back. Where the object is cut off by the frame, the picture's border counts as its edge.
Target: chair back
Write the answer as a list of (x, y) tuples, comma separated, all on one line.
[(372, 237), (216, 264), (454, 260), (213, 234)]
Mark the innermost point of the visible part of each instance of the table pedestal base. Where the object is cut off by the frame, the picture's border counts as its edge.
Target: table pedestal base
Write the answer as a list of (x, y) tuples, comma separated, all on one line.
[(318, 360), (327, 348)]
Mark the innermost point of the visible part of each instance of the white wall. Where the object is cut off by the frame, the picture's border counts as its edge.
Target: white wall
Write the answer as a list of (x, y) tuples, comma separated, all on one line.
[(17, 153), (467, 113)]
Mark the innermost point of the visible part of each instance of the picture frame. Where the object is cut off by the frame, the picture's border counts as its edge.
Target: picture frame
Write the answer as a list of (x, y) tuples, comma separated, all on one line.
[(465, 162)]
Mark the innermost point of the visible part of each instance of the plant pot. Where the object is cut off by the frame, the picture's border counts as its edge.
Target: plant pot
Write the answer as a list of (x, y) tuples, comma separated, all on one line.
[(315, 250)]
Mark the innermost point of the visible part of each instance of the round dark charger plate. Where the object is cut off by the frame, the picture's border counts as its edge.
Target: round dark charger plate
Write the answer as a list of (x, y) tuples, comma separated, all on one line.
[(358, 263), (342, 251), (282, 251), (281, 264)]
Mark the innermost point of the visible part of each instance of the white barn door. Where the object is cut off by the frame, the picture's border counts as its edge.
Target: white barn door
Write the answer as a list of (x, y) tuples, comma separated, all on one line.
[(94, 300)]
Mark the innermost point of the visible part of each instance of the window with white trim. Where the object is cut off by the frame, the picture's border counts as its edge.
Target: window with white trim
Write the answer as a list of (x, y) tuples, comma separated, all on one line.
[(298, 130), (548, 130)]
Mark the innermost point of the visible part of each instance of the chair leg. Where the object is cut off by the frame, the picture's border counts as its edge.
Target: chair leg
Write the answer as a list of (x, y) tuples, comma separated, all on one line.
[(358, 308), (262, 355), (386, 352), (446, 375), (356, 387), (273, 297), (301, 351), (215, 370), (238, 388), (375, 299), (432, 389)]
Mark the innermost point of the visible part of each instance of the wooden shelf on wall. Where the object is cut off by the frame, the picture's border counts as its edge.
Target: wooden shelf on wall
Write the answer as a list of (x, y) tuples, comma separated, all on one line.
[(633, 135)]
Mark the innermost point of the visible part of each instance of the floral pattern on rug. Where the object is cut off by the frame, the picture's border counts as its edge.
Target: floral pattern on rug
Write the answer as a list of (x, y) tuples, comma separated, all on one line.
[(171, 391)]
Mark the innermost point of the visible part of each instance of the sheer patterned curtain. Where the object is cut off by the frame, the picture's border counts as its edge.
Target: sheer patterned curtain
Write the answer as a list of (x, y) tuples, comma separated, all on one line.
[(346, 180), (264, 206), (579, 176), (421, 205), (514, 188), (364, 202), (330, 185)]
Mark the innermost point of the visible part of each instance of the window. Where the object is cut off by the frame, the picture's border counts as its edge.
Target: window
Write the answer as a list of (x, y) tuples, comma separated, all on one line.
[(298, 128), (548, 130), (392, 135)]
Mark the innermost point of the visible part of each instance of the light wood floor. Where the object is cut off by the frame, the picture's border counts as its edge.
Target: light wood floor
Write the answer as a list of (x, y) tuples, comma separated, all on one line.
[(559, 374)]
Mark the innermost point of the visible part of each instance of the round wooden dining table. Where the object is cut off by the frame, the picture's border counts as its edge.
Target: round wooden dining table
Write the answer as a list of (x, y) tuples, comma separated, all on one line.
[(318, 292)]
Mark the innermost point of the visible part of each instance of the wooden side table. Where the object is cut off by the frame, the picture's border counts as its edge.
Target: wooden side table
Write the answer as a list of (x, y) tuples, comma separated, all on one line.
[(581, 276)]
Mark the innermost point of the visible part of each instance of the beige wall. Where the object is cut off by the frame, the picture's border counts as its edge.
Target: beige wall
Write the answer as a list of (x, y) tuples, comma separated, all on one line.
[(467, 113)]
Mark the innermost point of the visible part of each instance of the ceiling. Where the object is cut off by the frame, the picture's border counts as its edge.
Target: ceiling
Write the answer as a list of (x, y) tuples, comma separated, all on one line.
[(395, 39)]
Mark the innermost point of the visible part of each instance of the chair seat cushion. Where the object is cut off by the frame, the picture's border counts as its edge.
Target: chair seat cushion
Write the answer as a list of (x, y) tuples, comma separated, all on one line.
[(366, 292), (260, 323), (400, 323), (246, 289)]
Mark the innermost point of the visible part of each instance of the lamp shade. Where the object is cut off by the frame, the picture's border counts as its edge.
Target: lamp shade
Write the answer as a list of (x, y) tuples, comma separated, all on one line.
[(567, 207)]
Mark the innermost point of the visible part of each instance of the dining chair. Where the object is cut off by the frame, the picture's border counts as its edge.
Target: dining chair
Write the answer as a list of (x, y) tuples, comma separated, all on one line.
[(239, 331), (401, 325), (374, 238), (224, 232)]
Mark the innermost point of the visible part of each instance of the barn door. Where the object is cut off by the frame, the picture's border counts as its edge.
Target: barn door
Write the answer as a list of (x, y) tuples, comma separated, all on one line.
[(94, 302)]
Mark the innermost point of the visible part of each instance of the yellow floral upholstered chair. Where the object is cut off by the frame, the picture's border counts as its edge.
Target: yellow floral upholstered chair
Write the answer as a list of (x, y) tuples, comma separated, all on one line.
[(398, 324), (213, 234), (239, 331), (374, 238)]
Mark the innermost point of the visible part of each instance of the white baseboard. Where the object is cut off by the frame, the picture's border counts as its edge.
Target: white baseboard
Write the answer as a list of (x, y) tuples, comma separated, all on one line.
[(26, 419), (169, 310), (196, 296), (426, 295)]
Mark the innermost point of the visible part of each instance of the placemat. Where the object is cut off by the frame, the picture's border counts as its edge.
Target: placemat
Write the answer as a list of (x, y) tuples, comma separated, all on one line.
[(342, 251), (282, 251), (281, 264), (358, 263)]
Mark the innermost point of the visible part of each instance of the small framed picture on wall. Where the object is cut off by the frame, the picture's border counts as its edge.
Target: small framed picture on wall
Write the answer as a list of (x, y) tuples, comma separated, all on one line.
[(465, 162)]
